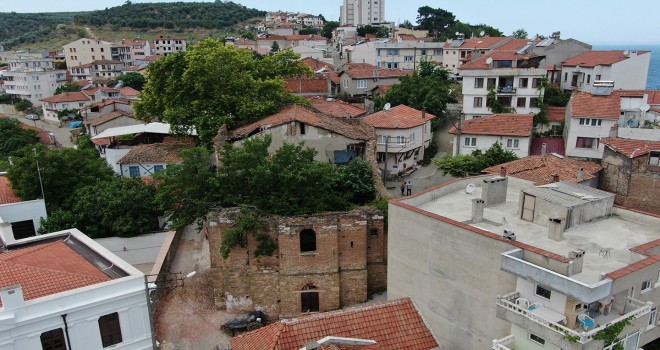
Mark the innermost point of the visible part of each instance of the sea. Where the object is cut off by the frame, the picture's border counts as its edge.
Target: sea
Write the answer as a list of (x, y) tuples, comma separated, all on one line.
[(653, 81)]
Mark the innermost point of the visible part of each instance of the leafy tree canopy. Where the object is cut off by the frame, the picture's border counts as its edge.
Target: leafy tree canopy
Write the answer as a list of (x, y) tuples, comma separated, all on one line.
[(67, 87), (62, 171), (406, 24), (472, 164), (120, 206), (519, 34), (212, 84), (381, 32), (13, 137), (328, 28), (132, 79), (443, 24)]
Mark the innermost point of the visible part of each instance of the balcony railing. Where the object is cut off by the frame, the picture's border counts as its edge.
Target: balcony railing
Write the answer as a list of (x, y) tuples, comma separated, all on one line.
[(500, 344), (506, 90), (507, 301)]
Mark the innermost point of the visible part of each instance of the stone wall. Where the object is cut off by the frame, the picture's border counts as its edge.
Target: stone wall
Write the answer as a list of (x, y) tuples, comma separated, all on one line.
[(349, 247), (635, 183)]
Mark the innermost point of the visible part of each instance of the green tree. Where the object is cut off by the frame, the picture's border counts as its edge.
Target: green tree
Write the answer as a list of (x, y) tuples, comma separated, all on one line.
[(406, 24), (248, 34), (13, 137), (120, 206), (355, 179), (212, 84), (132, 79), (472, 164), (436, 21), (275, 47), (428, 88), (67, 87), (62, 171), (496, 106), (328, 28), (519, 34), (23, 105)]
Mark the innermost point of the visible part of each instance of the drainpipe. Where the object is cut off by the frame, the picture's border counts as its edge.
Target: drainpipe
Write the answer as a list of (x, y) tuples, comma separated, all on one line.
[(66, 330)]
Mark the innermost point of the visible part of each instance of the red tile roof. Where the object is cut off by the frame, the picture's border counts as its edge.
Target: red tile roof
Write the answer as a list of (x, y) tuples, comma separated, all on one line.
[(353, 129), (110, 116), (653, 95), (552, 145), (365, 70), (46, 269), (399, 117), (128, 91), (631, 148), (480, 63), (478, 43), (153, 153), (499, 125), (335, 108), (7, 195), (597, 58), (513, 45), (306, 37), (44, 136), (106, 103), (595, 106), (394, 324), (556, 114), (66, 97), (103, 141), (315, 64), (539, 169), (106, 62)]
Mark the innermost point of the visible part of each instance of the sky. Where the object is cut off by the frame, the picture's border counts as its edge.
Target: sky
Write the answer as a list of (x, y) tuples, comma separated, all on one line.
[(592, 21)]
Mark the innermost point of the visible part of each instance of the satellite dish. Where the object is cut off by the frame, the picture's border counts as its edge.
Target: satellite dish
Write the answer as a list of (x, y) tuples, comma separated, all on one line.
[(482, 33), (644, 107), (387, 106), (489, 60), (470, 188)]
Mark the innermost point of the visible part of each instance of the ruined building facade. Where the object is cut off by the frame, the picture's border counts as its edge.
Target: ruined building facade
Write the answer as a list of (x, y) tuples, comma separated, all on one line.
[(322, 262)]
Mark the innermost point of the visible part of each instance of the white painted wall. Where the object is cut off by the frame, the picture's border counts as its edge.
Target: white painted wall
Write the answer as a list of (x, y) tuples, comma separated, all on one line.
[(484, 142), (521, 340), (629, 74), (135, 250), (527, 290), (395, 151), (576, 130), (112, 155), (146, 169), (33, 210)]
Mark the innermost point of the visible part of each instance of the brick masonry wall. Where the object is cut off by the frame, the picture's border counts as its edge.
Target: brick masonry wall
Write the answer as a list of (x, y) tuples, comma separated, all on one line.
[(635, 183)]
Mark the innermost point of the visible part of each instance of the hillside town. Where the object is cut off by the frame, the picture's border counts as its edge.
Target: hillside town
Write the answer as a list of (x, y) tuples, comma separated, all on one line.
[(312, 184)]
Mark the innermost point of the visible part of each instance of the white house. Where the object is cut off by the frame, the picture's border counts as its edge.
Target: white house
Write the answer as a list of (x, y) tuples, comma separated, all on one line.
[(23, 216), (513, 131), (402, 134), (148, 160), (627, 69), (69, 100), (459, 51), (514, 76), (33, 78), (589, 118), (62, 290)]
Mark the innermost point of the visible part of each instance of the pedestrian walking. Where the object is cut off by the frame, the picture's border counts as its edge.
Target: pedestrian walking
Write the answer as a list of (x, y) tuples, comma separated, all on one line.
[(409, 188), (403, 188)]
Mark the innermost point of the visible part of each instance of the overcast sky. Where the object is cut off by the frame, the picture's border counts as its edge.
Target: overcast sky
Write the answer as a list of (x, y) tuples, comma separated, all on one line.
[(593, 21)]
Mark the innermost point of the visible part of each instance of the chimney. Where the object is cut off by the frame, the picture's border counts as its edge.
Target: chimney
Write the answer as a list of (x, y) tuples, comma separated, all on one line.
[(423, 113), (580, 174), (494, 190), (12, 297), (614, 131), (503, 171), (478, 206), (577, 260), (556, 229), (544, 148), (6, 233), (554, 178)]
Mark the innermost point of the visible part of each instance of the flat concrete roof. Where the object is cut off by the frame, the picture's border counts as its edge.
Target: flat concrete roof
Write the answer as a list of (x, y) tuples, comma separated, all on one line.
[(618, 233)]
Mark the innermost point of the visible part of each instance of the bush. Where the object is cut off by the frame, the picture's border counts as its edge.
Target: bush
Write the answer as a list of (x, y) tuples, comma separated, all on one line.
[(23, 105)]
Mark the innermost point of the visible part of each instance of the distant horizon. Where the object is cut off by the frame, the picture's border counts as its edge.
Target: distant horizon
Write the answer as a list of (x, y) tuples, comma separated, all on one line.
[(581, 20)]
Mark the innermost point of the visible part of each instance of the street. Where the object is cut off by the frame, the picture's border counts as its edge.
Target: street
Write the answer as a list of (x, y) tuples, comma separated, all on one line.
[(61, 134)]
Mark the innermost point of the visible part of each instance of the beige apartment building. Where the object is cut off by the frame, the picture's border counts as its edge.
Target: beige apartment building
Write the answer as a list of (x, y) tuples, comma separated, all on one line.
[(166, 46), (362, 12), (85, 50)]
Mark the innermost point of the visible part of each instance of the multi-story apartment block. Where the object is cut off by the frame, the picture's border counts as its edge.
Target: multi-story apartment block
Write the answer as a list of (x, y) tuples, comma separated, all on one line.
[(459, 51), (166, 46), (85, 50), (82, 72), (627, 69), (106, 69), (33, 78), (497, 262), (514, 77), (6, 56), (407, 54), (362, 12), (139, 49), (122, 52)]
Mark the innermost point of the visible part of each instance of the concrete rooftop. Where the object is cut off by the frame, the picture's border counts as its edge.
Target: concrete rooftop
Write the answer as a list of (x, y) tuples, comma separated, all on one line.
[(618, 233)]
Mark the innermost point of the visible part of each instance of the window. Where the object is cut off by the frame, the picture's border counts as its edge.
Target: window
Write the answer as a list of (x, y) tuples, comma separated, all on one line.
[(309, 299), (590, 122), (373, 233), (345, 83), (381, 157), (302, 129), (512, 143), (565, 77), (479, 83), (536, 82), (478, 102), (392, 65), (534, 102), (407, 58), (437, 52), (53, 340), (110, 329), (652, 316), (158, 169), (586, 142), (588, 78), (597, 77), (646, 286), (470, 142), (134, 171), (307, 240), (543, 292), (654, 159), (361, 84), (521, 102), (423, 52), (23, 229), (522, 83), (490, 83), (535, 338), (393, 52)]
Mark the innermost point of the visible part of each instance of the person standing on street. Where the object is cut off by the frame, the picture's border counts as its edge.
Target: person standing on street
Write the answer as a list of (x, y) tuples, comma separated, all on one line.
[(403, 188), (409, 188)]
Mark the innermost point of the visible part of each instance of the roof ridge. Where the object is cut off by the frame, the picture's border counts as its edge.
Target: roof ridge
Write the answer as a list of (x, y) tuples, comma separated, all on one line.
[(349, 310)]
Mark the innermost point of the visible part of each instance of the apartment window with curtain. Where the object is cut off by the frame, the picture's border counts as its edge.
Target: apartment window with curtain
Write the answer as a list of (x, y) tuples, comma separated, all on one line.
[(522, 83), (479, 83), (110, 329), (586, 142), (478, 102)]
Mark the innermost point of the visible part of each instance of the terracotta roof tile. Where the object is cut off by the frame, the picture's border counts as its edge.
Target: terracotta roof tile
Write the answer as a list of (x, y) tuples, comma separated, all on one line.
[(399, 117), (480, 63), (353, 129), (653, 95), (47, 269), (365, 70), (128, 91), (633, 267), (66, 97), (499, 124), (513, 45), (631, 148), (103, 141), (335, 108), (110, 116), (306, 37), (153, 153), (315, 64), (106, 103), (597, 58), (556, 114), (7, 195), (478, 43), (596, 106), (394, 324), (106, 62), (539, 169)]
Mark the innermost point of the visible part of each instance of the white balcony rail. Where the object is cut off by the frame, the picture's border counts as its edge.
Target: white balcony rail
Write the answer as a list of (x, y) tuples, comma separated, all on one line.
[(500, 344), (507, 301)]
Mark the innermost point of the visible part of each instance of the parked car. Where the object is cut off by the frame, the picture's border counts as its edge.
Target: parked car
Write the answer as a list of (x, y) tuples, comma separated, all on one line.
[(32, 117)]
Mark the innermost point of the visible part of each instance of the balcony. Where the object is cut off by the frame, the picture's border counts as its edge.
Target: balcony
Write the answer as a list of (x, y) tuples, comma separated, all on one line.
[(557, 332), (506, 90)]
